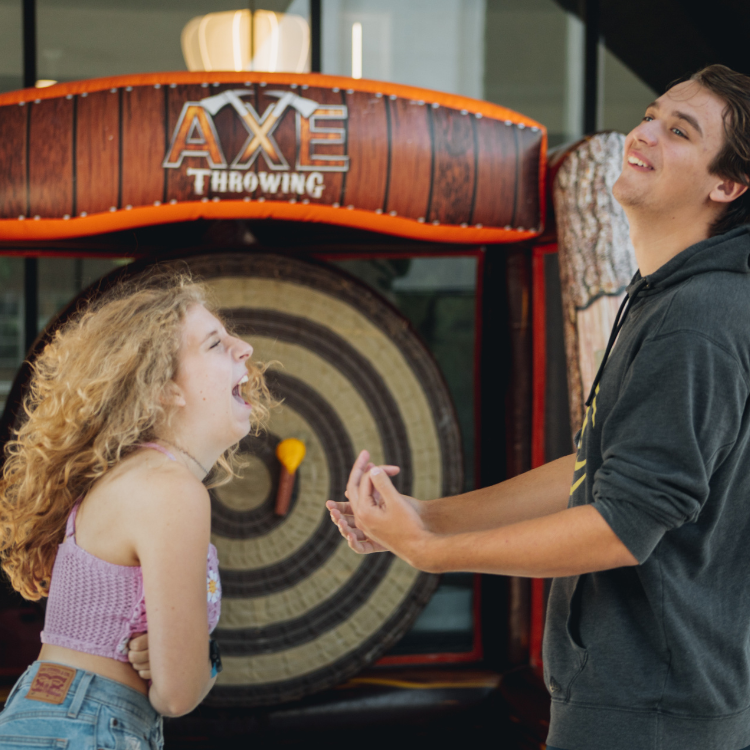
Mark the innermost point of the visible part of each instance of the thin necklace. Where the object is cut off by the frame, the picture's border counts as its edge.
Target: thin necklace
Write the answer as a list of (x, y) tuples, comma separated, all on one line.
[(190, 456)]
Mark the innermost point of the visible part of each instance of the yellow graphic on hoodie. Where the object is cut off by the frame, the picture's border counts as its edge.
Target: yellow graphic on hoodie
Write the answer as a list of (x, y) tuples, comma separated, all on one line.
[(581, 463)]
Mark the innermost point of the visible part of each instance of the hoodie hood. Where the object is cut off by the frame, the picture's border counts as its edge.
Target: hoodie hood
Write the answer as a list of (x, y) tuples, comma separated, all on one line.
[(729, 252), (725, 252)]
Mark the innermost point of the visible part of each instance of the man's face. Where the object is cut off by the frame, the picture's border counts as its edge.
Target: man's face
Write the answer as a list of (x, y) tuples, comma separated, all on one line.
[(665, 166)]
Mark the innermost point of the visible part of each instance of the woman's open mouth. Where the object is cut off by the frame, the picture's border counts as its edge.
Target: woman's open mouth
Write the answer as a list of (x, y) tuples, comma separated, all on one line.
[(237, 391)]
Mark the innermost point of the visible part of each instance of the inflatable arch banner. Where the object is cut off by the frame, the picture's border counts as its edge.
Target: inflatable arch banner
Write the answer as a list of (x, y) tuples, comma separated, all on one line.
[(117, 153)]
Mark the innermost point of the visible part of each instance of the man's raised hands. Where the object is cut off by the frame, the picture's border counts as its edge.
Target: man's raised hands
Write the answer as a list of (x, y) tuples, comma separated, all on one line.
[(342, 514), (368, 509)]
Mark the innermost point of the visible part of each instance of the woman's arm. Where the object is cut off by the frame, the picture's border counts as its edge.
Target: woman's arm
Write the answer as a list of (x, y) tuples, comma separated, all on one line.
[(172, 546), (138, 656)]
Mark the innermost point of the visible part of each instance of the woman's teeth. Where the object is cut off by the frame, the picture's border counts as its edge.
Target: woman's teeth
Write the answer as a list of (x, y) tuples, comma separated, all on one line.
[(236, 390)]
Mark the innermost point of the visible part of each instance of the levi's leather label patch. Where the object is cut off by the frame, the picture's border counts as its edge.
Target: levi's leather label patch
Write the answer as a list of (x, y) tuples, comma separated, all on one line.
[(51, 683)]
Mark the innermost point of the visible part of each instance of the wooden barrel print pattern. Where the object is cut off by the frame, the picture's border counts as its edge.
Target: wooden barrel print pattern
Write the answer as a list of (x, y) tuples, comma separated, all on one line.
[(96, 156), (300, 611)]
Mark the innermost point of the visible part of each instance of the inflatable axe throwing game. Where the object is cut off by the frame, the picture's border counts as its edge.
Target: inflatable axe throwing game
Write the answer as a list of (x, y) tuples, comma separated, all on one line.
[(114, 153), (300, 611)]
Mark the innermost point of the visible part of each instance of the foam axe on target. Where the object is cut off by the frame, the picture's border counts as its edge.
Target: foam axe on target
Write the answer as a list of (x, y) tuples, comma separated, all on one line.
[(290, 453)]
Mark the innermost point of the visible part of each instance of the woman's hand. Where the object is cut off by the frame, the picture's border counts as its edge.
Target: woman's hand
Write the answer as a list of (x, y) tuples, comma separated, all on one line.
[(138, 655)]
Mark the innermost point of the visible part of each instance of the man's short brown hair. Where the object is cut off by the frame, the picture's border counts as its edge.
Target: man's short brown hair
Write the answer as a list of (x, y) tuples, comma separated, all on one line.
[(733, 160)]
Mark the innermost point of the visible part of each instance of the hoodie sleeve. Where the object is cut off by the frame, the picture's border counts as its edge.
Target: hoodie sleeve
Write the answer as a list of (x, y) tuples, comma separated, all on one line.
[(676, 419)]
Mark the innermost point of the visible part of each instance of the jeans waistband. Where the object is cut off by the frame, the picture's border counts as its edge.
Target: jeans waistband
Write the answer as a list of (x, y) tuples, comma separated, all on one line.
[(91, 686)]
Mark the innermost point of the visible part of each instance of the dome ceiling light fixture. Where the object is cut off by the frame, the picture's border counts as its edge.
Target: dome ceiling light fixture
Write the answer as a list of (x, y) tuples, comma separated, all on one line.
[(241, 40)]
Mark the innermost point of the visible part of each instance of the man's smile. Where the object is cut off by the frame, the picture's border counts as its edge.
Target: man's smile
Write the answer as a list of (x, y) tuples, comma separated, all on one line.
[(636, 160)]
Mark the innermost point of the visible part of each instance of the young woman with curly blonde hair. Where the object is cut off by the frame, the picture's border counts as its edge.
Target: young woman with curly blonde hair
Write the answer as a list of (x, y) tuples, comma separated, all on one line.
[(103, 509)]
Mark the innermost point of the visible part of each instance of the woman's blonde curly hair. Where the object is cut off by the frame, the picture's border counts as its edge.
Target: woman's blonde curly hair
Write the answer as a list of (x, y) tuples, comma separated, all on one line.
[(93, 397)]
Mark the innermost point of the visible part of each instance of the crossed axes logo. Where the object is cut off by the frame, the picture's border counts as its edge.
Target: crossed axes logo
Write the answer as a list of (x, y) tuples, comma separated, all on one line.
[(195, 133)]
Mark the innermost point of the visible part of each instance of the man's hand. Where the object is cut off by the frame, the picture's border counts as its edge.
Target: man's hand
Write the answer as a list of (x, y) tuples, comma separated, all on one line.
[(383, 516), (138, 655), (343, 516)]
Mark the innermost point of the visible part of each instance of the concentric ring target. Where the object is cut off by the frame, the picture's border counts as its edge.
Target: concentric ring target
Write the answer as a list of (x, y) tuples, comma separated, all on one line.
[(300, 610)]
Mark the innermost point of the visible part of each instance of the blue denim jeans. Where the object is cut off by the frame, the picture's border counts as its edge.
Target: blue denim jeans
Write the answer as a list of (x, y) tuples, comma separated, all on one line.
[(95, 713)]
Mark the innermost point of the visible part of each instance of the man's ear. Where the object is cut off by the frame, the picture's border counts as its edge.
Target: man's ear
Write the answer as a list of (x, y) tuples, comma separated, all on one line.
[(727, 191), (172, 395)]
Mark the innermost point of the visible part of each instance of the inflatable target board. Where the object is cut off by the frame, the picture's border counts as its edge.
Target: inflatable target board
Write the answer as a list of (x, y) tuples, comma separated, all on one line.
[(116, 153), (300, 611)]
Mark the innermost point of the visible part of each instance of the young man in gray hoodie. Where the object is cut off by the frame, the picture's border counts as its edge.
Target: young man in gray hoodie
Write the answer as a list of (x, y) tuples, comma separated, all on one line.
[(647, 640)]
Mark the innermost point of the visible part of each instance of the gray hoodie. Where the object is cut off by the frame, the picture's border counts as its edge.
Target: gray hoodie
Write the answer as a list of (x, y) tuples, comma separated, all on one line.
[(657, 656)]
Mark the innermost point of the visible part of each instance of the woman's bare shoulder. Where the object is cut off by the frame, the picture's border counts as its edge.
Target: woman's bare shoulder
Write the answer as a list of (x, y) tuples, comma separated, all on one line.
[(146, 501), (165, 499)]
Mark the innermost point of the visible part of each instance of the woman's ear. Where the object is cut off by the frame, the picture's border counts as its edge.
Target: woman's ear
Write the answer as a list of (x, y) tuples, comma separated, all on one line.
[(172, 395)]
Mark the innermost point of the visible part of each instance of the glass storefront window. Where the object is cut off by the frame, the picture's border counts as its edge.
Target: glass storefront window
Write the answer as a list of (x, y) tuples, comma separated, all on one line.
[(534, 64), (527, 55), (60, 279), (624, 96), (79, 39), (523, 54), (436, 44), (12, 349), (11, 45)]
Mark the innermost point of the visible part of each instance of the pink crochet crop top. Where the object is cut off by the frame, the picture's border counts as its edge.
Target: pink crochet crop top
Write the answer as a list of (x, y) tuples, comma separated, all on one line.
[(96, 606)]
